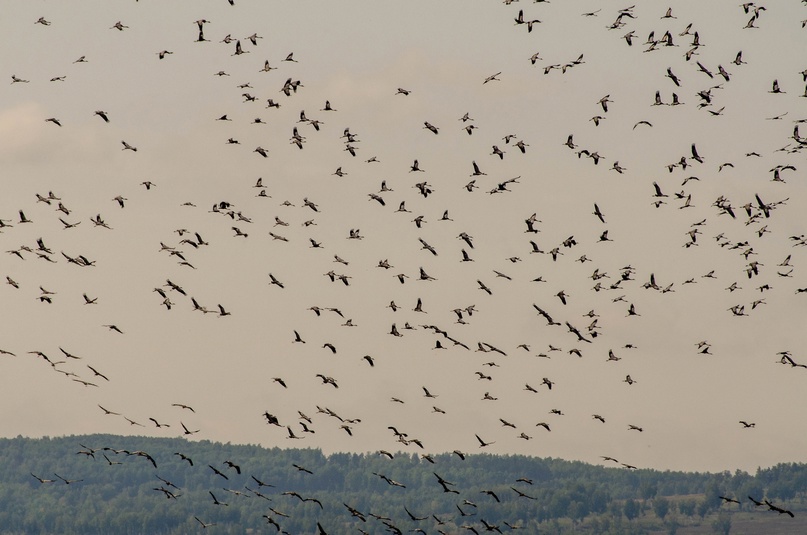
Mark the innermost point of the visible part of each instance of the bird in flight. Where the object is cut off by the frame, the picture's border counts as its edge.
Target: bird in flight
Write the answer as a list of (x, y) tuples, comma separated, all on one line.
[(492, 78), (482, 443)]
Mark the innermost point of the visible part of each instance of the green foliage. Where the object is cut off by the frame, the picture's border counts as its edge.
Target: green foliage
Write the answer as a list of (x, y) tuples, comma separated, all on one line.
[(703, 508), (118, 490), (722, 524), (661, 506), (672, 526), (632, 509), (687, 507), (649, 488)]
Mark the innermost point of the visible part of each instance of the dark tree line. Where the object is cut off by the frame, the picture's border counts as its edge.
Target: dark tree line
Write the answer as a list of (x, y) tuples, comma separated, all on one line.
[(125, 484)]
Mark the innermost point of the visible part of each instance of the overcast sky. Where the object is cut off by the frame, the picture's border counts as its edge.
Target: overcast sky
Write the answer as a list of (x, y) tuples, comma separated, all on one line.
[(358, 56)]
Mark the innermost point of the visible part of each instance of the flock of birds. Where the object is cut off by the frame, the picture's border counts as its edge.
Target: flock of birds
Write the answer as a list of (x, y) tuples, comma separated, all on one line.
[(413, 262)]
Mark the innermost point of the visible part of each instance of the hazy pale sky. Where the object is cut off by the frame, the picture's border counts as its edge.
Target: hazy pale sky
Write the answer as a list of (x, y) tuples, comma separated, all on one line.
[(586, 81)]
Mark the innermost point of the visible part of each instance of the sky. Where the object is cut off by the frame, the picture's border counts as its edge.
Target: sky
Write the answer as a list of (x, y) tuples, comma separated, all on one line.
[(387, 70)]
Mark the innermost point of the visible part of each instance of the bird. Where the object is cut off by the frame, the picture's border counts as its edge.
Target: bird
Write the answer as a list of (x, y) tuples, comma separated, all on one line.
[(544, 425), (96, 373), (603, 102), (483, 286), (772, 507), (238, 49), (494, 77), (482, 443), (215, 500), (756, 503), (204, 525), (187, 431), (155, 422), (280, 381), (234, 466), (66, 481), (184, 458), (428, 394), (445, 484), (218, 473), (41, 480), (390, 481)]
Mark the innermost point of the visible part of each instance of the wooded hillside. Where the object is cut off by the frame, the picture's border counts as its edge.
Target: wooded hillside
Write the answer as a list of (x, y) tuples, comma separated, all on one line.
[(123, 484)]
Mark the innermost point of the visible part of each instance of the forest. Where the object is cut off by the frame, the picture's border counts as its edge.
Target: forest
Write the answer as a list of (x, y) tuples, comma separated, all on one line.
[(109, 484)]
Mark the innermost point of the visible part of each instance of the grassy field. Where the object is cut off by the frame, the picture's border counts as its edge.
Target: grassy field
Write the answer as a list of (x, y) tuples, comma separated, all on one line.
[(759, 521), (749, 523)]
